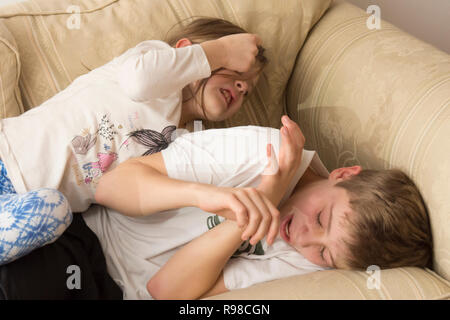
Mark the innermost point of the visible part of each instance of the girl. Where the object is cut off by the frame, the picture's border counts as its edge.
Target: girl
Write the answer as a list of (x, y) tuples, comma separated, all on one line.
[(127, 108)]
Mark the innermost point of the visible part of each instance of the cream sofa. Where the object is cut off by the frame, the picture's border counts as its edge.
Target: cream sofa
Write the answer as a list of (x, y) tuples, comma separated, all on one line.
[(378, 98)]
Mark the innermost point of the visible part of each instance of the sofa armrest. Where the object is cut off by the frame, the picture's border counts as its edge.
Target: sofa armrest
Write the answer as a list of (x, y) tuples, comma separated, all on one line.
[(10, 98), (379, 99)]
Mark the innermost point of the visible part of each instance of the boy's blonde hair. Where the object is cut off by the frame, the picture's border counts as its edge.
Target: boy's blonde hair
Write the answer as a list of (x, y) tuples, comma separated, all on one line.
[(203, 29), (390, 227)]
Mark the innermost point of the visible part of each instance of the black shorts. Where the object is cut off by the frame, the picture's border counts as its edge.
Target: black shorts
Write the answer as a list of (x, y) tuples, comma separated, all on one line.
[(72, 267)]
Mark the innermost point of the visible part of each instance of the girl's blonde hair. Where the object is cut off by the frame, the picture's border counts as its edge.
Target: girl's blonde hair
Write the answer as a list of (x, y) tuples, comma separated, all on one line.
[(203, 29)]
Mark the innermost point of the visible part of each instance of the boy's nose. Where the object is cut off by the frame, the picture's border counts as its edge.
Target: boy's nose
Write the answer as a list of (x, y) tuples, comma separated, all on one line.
[(304, 230), (309, 234), (308, 239)]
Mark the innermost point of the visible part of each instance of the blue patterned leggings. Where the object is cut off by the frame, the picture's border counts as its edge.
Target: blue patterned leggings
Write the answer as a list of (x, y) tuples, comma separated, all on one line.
[(31, 220)]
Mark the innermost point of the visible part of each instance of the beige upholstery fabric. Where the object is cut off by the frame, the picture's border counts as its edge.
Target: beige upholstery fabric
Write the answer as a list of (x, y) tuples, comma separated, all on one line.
[(375, 98), (52, 54), (10, 100), (396, 284), (380, 99)]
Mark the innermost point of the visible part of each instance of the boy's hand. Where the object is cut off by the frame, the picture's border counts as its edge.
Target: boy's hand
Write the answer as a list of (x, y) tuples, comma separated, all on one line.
[(251, 209), (278, 174), (291, 149)]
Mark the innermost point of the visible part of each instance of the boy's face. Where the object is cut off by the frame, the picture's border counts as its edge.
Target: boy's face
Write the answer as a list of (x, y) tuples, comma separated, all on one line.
[(312, 218)]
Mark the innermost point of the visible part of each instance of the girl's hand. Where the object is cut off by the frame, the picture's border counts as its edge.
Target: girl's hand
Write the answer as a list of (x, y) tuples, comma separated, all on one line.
[(250, 208), (278, 174), (240, 51)]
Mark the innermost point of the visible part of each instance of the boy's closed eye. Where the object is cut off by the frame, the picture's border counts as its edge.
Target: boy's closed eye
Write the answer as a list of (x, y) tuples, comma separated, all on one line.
[(323, 249)]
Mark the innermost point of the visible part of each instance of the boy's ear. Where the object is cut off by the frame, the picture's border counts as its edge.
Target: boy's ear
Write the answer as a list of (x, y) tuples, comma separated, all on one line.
[(344, 173), (183, 42)]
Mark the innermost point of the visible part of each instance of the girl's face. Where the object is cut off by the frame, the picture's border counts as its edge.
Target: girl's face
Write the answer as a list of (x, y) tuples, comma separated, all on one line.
[(223, 96)]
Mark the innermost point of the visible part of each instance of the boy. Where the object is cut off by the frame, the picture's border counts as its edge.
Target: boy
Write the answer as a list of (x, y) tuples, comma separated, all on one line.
[(350, 218)]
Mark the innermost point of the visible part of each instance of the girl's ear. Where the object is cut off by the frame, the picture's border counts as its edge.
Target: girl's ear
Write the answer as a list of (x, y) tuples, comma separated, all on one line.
[(183, 42), (344, 173)]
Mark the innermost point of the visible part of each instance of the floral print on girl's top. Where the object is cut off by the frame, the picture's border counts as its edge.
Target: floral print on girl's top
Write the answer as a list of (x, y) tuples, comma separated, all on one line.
[(95, 169), (91, 166), (81, 144)]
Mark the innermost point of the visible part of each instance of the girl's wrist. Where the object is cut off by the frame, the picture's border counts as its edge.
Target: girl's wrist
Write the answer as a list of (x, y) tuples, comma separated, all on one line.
[(198, 192), (215, 52)]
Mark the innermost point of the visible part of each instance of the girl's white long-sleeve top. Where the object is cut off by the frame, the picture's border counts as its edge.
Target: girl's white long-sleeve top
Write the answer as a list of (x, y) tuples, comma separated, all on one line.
[(126, 108)]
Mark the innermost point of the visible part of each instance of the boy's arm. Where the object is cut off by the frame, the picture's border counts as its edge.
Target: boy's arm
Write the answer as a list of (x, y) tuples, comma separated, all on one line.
[(279, 174), (218, 288), (195, 270)]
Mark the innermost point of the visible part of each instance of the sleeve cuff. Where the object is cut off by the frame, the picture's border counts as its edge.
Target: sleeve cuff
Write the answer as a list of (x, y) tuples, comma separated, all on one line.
[(202, 61)]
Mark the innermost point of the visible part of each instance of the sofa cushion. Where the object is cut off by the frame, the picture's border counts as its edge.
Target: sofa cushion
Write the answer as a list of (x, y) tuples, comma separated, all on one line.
[(10, 100), (395, 284), (53, 49)]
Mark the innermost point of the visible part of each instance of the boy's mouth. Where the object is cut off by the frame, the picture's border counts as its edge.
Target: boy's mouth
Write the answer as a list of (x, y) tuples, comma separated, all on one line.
[(285, 228)]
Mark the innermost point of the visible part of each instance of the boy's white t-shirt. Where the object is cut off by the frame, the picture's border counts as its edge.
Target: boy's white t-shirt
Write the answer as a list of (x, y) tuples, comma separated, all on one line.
[(136, 248), (125, 108)]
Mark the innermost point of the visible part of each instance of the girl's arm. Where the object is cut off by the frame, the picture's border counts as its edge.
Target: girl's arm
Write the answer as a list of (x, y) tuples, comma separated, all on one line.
[(215, 53), (141, 186), (195, 270), (153, 69)]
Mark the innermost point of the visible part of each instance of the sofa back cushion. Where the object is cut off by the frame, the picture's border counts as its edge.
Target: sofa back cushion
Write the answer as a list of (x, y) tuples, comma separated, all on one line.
[(10, 100), (379, 99), (58, 39)]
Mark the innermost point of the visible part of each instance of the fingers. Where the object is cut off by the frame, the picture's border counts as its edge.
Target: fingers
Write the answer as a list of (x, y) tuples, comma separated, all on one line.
[(275, 223), (254, 214), (272, 164), (239, 210), (258, 39), (293, 142), (270, 224), (263, 227), (287, 144), (294, 131), (269, 157), (263, 216)]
